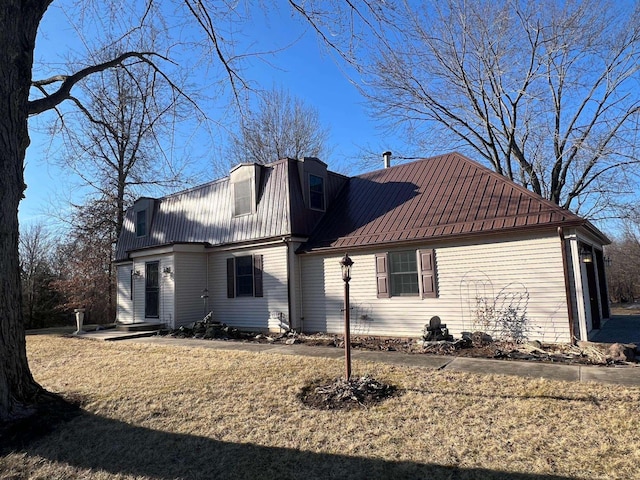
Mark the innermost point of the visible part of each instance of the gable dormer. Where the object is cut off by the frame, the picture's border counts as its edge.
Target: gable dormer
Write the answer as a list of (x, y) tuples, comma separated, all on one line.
[(313, 179), (244, 181), (143, 215)]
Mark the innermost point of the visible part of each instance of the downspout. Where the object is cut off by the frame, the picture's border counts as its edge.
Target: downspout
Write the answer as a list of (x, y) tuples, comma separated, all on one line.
[(567, 284), (288, 266), (300, 296)]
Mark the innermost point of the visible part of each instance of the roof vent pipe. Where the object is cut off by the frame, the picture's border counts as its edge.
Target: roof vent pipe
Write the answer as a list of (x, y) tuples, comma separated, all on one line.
[(386, 156)]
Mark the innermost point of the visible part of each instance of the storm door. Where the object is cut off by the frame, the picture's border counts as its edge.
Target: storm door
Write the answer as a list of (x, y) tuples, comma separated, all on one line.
[(151, 290)]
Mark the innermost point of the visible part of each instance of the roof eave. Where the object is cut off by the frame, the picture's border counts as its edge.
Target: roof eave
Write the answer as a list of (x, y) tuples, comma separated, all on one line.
[(552, 227)]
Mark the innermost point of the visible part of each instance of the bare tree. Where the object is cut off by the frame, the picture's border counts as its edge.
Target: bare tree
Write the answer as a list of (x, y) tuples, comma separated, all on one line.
[(280, 126), (40, 301), (19, 24), (116, 138), (545, 92), (83, 258), (623, 280)]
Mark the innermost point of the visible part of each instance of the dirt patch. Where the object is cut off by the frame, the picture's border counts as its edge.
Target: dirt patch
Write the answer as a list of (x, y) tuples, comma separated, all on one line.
[(341, 394)]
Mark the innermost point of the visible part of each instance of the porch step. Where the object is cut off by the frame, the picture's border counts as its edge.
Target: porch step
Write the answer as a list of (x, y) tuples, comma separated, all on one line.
[(140, 327)]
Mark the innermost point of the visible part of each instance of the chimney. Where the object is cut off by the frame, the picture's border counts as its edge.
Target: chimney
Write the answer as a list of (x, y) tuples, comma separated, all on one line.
[(386, 156)]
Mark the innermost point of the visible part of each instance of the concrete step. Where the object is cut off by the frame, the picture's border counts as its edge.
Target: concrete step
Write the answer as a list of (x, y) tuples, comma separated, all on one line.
[(140, 327)]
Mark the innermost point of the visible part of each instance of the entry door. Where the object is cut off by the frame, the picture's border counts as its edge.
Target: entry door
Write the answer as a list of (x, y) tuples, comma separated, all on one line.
[(152, 291)]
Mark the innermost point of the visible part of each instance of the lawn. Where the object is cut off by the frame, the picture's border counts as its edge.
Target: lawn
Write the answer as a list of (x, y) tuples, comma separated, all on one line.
[(163, 412)]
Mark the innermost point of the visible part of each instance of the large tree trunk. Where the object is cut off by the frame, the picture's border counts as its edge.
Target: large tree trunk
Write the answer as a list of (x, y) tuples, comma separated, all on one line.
[(19, 20)]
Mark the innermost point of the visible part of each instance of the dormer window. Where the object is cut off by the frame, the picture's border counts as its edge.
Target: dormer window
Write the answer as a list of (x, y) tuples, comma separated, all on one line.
[(316, 192), (242, 197), (141, 223)]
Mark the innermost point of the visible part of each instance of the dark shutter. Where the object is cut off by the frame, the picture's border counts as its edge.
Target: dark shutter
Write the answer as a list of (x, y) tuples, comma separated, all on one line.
[(428, 274), (257, 275), (231, 277), (382, 275)]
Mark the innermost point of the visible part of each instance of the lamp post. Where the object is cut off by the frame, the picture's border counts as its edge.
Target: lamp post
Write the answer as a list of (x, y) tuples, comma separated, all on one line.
[(204, 297), (345, 265)]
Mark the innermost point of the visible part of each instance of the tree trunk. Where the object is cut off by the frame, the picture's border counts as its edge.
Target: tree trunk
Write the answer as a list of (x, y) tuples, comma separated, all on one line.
[(19, 20)]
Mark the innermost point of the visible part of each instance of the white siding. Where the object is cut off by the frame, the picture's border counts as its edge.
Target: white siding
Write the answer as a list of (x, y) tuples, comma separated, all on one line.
[(166, 307), (524, 273), (190, 281), (250, 312), (124, 312)]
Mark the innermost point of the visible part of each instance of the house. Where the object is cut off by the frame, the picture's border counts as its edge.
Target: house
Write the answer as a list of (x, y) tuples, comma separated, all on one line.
[(441, 236)]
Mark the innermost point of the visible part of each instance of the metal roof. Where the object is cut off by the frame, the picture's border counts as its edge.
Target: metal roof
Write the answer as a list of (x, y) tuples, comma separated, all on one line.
[(434, 198), (443, 196), (205, 214)]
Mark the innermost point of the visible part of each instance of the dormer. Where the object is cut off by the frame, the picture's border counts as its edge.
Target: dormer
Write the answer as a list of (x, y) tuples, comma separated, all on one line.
[(244, 180), (313, 178), (143, 215)]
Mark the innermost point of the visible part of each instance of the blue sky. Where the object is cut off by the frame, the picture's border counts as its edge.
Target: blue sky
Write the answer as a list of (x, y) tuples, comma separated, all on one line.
[(305, 69)]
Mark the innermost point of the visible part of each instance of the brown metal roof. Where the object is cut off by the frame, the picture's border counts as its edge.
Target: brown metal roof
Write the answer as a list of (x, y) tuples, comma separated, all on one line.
[(444, 196)]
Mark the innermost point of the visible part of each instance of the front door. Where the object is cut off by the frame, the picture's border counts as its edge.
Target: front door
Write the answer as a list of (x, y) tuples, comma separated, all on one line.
[(152, 290)]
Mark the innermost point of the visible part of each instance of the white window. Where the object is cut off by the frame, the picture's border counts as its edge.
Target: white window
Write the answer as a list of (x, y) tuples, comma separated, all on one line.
[(406, 273), (242, 197)]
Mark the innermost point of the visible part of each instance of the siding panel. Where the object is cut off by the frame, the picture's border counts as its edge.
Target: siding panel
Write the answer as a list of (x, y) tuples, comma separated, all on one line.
[(523, 274), (250, 312)]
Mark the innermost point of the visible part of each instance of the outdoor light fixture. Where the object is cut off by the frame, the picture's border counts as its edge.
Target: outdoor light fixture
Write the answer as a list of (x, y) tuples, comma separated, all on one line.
[(166, 270), (345, 265), (135, 273), (586, 255)]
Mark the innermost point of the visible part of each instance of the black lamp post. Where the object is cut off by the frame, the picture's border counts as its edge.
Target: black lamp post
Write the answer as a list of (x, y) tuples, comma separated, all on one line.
[(346, 264)]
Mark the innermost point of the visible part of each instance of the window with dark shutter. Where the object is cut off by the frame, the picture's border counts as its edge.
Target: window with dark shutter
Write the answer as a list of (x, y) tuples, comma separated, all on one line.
[(382, 275), (244, 276), (428, 273), (406, 274), (403, 273)]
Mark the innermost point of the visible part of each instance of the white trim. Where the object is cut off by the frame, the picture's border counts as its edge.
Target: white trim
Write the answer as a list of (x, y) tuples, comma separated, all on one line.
[(576, 264), (167, 249)]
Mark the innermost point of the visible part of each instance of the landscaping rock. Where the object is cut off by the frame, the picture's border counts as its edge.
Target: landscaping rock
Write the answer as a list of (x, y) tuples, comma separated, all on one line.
[(619, 352), (535, 344), (481, 339)]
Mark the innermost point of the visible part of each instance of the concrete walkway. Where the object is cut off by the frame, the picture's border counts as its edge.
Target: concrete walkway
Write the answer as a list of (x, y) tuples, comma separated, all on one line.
[(619, 329), (623, 375)]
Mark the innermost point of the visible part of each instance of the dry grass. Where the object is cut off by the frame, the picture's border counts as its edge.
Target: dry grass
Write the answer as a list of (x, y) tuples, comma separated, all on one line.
[(173, 412)]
